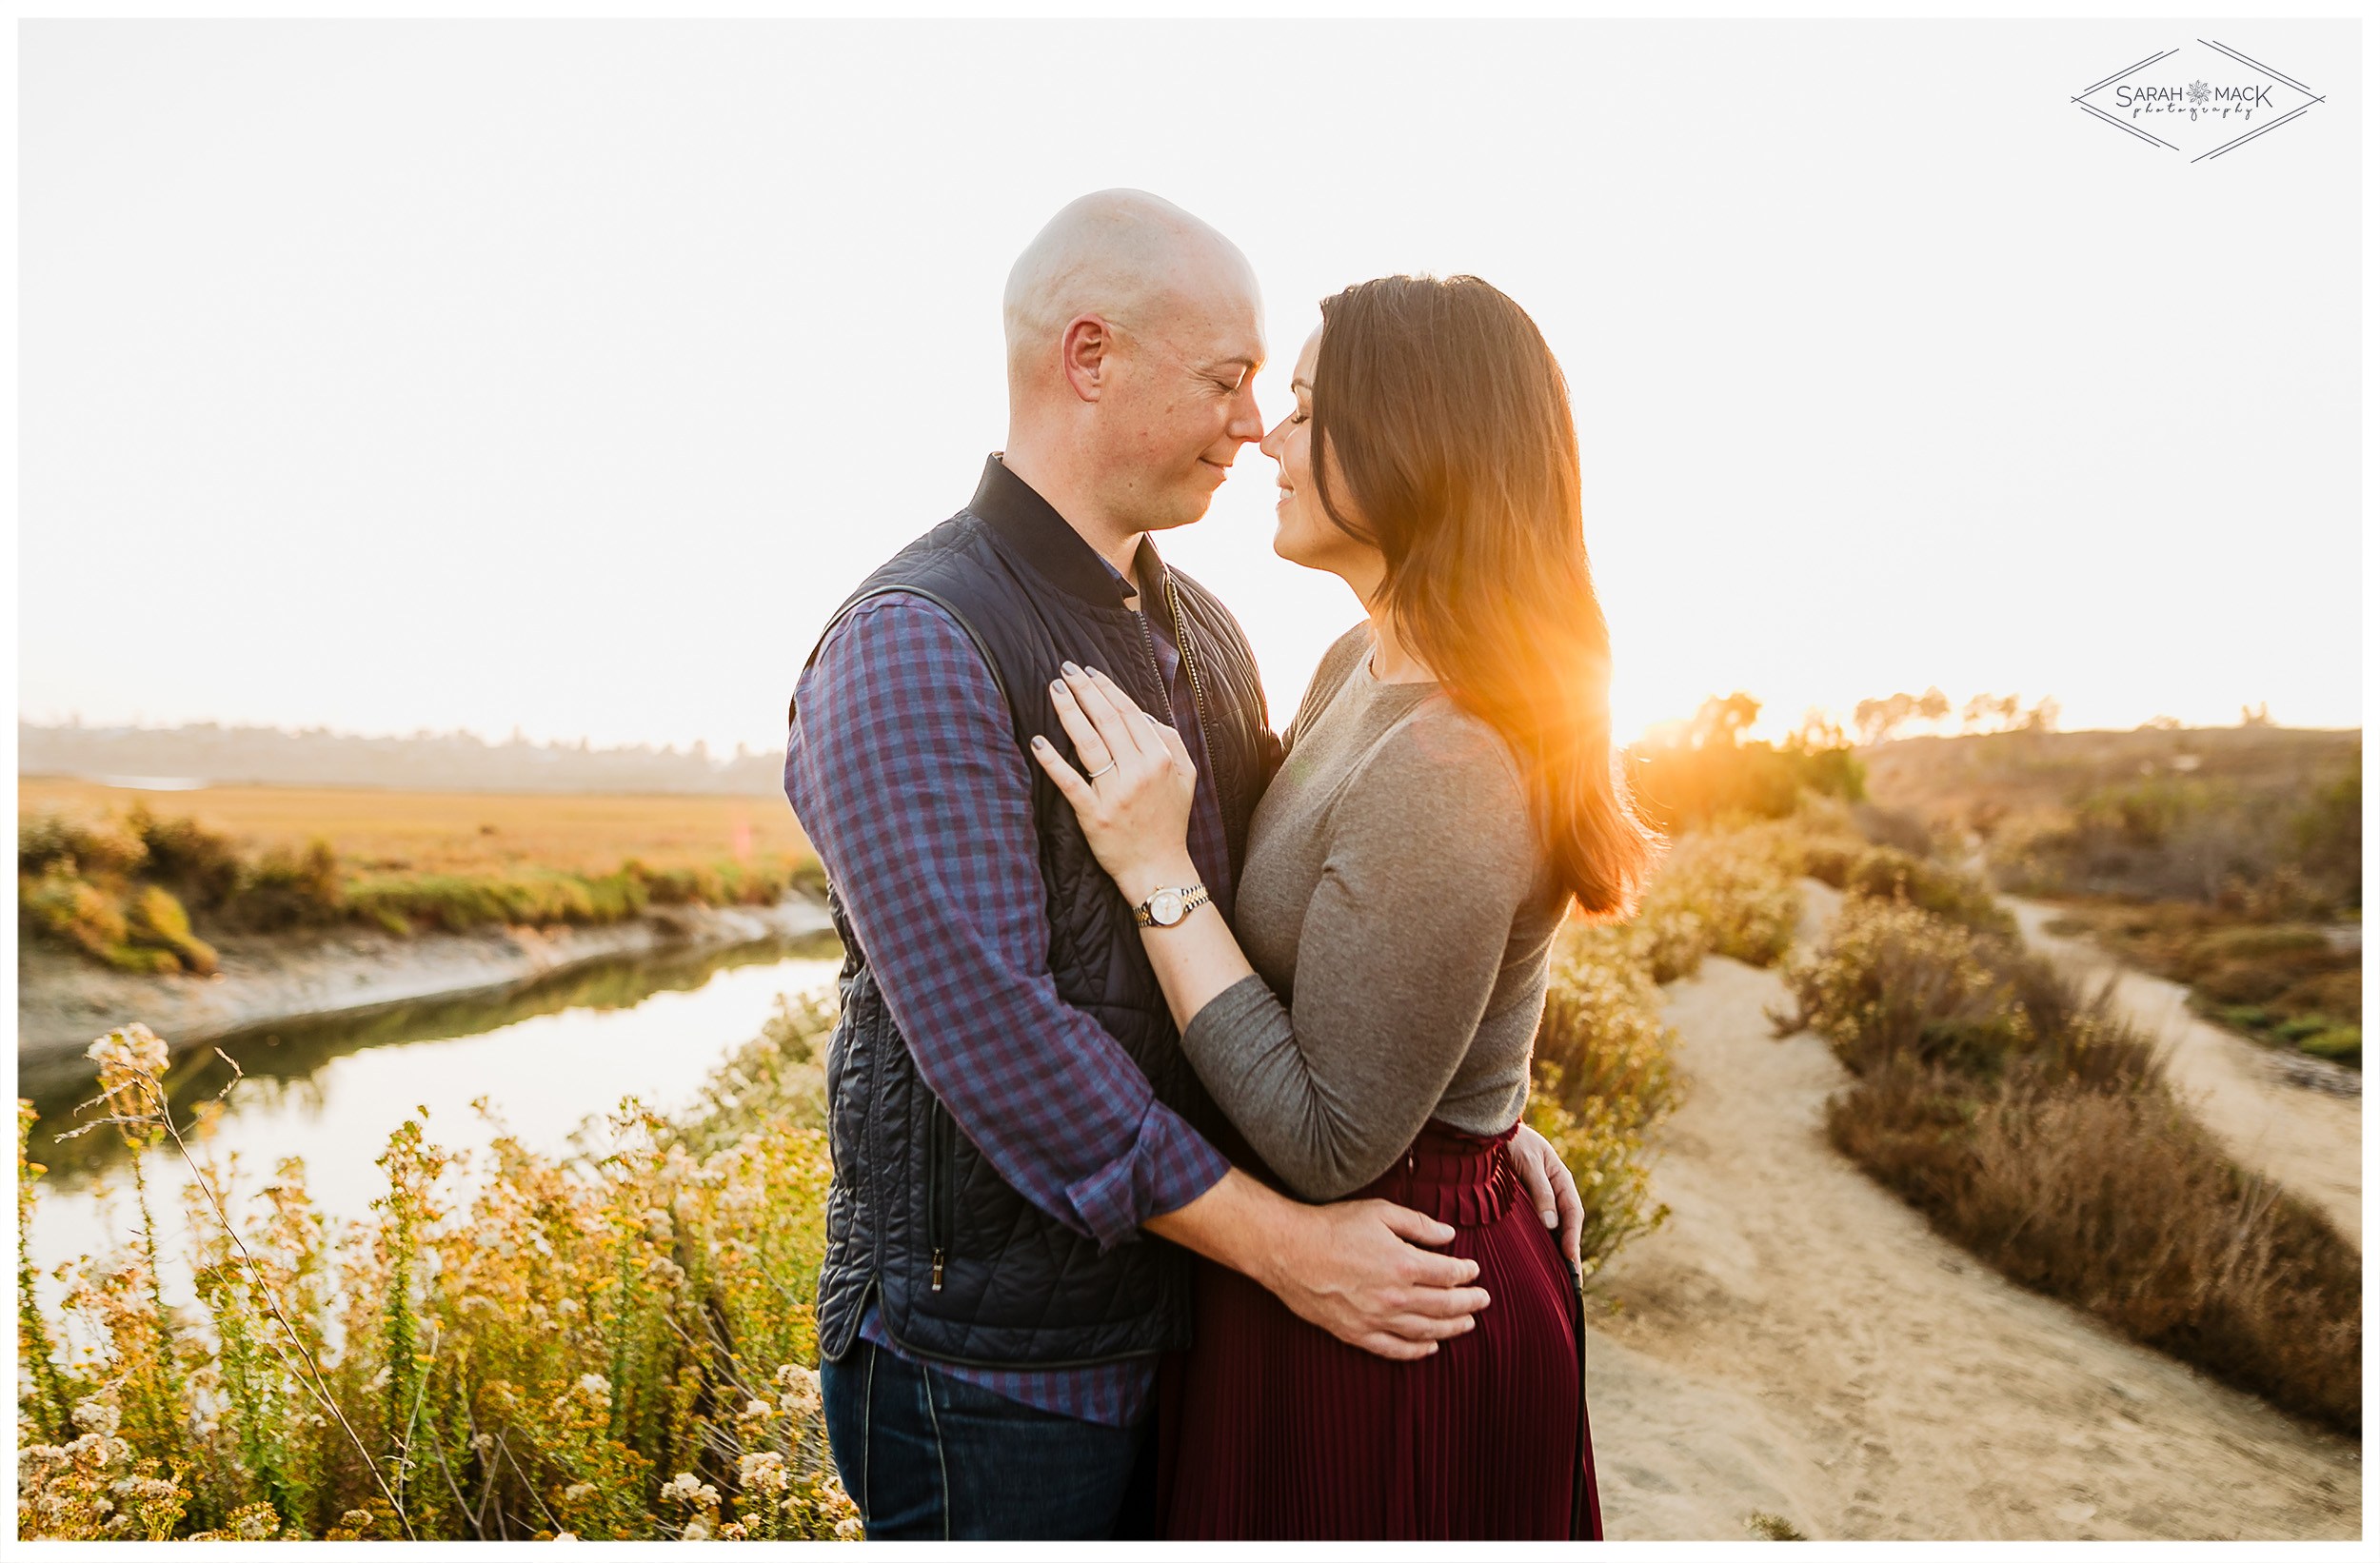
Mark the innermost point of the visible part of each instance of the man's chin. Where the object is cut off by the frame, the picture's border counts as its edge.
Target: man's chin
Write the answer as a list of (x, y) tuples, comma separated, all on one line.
[(1190, 509)]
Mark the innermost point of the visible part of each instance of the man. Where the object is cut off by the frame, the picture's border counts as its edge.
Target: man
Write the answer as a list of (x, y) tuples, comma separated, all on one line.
[(1019, 1143)]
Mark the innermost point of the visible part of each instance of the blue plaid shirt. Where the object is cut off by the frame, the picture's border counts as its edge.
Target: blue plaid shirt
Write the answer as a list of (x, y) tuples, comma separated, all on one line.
[(904, 768)]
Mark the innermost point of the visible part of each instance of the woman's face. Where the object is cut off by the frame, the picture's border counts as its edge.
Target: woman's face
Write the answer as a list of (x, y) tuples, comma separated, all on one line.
[(1303, 534)]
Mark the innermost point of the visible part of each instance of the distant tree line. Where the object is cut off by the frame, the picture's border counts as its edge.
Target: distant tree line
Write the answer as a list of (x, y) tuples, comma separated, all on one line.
[(457, 761)]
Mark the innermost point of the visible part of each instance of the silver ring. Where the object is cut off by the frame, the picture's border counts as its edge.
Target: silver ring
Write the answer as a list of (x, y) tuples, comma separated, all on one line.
[(1101, 771)]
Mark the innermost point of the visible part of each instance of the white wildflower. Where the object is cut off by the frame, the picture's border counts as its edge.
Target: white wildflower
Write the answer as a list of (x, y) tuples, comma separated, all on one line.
[(97, 1416)]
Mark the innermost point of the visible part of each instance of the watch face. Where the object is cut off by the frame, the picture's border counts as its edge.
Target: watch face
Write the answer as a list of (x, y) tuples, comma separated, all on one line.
[(1166, 907)]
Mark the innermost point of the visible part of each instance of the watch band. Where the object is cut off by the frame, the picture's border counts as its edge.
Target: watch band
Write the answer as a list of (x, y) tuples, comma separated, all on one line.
[(1191, 896)]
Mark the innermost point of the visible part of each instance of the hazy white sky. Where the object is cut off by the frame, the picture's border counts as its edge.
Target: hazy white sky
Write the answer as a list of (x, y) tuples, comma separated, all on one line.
[(565, 376)]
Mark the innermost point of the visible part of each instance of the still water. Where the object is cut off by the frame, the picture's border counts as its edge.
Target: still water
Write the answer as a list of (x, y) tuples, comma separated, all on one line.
[(546, 1057)]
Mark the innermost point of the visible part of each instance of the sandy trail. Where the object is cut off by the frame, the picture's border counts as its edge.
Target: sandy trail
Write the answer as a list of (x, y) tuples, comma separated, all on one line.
[(1797, 1342), (2309, 1140)]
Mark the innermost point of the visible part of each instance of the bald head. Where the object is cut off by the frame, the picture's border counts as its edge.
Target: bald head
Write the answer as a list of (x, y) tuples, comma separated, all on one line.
[(1133, 259), (1135, 334)]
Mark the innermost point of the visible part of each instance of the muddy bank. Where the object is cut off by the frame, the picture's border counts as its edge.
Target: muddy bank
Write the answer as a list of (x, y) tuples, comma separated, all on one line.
[(64, 1000)]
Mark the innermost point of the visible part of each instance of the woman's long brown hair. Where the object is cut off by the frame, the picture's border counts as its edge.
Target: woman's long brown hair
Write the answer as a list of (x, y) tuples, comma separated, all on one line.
[(1450, 423)]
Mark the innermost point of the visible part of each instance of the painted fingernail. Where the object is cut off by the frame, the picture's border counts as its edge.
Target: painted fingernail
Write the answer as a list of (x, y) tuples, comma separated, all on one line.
[(1070, 668), (1551, 1220), (1040, 743)]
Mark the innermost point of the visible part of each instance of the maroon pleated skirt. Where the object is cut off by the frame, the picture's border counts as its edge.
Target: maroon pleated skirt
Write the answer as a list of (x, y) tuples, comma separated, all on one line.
[(1273, 1428)]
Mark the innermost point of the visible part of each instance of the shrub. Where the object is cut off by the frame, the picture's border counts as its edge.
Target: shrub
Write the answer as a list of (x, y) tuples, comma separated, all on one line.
[(49, 840), (1737, 885), (2271, 850), (1829, 861), (184, 855), (1601, 1076), (1903, 830), (158, 920), (1706, 773), (287, 889), (2032, 1125), (2342, 1044), (1960, 898)]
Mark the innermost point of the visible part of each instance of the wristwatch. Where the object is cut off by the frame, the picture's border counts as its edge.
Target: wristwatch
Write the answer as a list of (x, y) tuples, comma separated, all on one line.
[(1168, 906)]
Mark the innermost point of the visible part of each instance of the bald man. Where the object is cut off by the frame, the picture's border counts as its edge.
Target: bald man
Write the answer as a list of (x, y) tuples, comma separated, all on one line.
[(1023, 1160)]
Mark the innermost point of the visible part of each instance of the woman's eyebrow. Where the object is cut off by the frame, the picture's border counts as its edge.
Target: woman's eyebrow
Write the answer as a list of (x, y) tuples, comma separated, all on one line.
[(1301, 386)]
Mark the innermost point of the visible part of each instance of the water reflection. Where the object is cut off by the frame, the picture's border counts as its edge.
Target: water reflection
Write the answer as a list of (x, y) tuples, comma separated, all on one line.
[(283, 1062), (545, 1058)]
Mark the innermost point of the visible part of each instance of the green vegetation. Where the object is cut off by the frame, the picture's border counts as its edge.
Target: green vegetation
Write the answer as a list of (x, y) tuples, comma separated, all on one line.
[(1600, 1079), (2290, 984), (522, 1363), (1707, 773), (2288, 848), (2032, 1125), (126, 892), (1730, 889), (2227, 859)]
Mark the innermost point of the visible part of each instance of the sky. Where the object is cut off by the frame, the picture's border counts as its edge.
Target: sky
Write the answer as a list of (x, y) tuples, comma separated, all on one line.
[(562, 377)]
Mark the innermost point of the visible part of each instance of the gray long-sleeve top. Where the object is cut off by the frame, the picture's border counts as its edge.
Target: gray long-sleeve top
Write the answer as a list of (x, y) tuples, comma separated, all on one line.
[(1398, 910)]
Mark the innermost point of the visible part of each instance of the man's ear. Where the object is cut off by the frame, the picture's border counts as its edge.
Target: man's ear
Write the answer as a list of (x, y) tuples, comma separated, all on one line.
[(1082, 353)]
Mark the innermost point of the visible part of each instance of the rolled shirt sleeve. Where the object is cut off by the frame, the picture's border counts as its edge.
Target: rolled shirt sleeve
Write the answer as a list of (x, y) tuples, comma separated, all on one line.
[(904, 771)]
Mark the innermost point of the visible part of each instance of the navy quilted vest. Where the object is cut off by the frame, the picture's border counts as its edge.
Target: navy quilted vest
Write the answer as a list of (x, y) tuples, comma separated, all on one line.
[(964, 1267)]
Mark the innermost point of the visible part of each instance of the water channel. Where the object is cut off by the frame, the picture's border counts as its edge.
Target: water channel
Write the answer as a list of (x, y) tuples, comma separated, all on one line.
[(545, 1056)]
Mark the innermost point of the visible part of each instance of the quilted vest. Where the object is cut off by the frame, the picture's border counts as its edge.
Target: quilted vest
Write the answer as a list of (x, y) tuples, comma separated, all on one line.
[(966, 1268)]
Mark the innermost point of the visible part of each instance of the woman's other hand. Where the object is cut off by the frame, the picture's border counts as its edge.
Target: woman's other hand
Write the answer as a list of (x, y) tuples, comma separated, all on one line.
[(1134, 791), (1552, 1189)]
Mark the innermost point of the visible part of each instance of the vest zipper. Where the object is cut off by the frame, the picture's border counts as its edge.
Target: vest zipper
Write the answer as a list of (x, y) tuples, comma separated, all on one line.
[(1190, 665), (936, 1176)]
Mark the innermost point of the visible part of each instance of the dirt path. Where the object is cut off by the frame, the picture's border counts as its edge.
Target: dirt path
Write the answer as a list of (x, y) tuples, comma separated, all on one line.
[(1796, 1341), (2254, 1098)]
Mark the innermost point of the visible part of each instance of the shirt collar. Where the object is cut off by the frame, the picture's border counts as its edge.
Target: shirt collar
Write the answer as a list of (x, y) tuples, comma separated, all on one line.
[(1034, 527)]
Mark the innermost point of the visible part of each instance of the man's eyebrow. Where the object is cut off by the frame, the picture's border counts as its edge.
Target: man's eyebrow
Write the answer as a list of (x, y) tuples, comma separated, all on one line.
[(1241, 361)]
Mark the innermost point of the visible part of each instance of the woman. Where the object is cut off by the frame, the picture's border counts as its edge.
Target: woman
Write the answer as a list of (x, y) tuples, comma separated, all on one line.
[(1448, 790)]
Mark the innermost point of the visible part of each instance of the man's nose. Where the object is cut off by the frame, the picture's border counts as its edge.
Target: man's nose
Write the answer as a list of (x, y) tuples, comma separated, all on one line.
[(1247, 423)]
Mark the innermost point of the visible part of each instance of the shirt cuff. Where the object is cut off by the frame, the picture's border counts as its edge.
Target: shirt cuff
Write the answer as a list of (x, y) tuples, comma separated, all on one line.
[(1168, 1165)]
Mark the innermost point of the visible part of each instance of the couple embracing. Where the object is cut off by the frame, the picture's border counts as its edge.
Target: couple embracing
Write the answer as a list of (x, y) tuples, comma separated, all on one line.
[(1180, 1187)]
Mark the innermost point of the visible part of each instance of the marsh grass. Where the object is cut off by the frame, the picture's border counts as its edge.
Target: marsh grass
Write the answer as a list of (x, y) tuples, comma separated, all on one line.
[(522, 1356), (2032, 1125), (125, 889)]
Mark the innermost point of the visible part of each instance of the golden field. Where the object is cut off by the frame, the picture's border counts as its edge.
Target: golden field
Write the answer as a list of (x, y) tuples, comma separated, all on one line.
[(456, 833)]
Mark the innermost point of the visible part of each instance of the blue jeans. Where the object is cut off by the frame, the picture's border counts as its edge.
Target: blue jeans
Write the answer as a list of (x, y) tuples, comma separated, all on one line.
[(929, 1457)]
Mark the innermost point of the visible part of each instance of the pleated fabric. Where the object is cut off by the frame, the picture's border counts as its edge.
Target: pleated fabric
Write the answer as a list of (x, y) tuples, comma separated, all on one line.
[(1271, 1427)]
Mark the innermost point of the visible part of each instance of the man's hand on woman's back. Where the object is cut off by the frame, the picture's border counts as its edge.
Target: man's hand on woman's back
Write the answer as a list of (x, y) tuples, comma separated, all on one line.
[(1355, 1268)]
